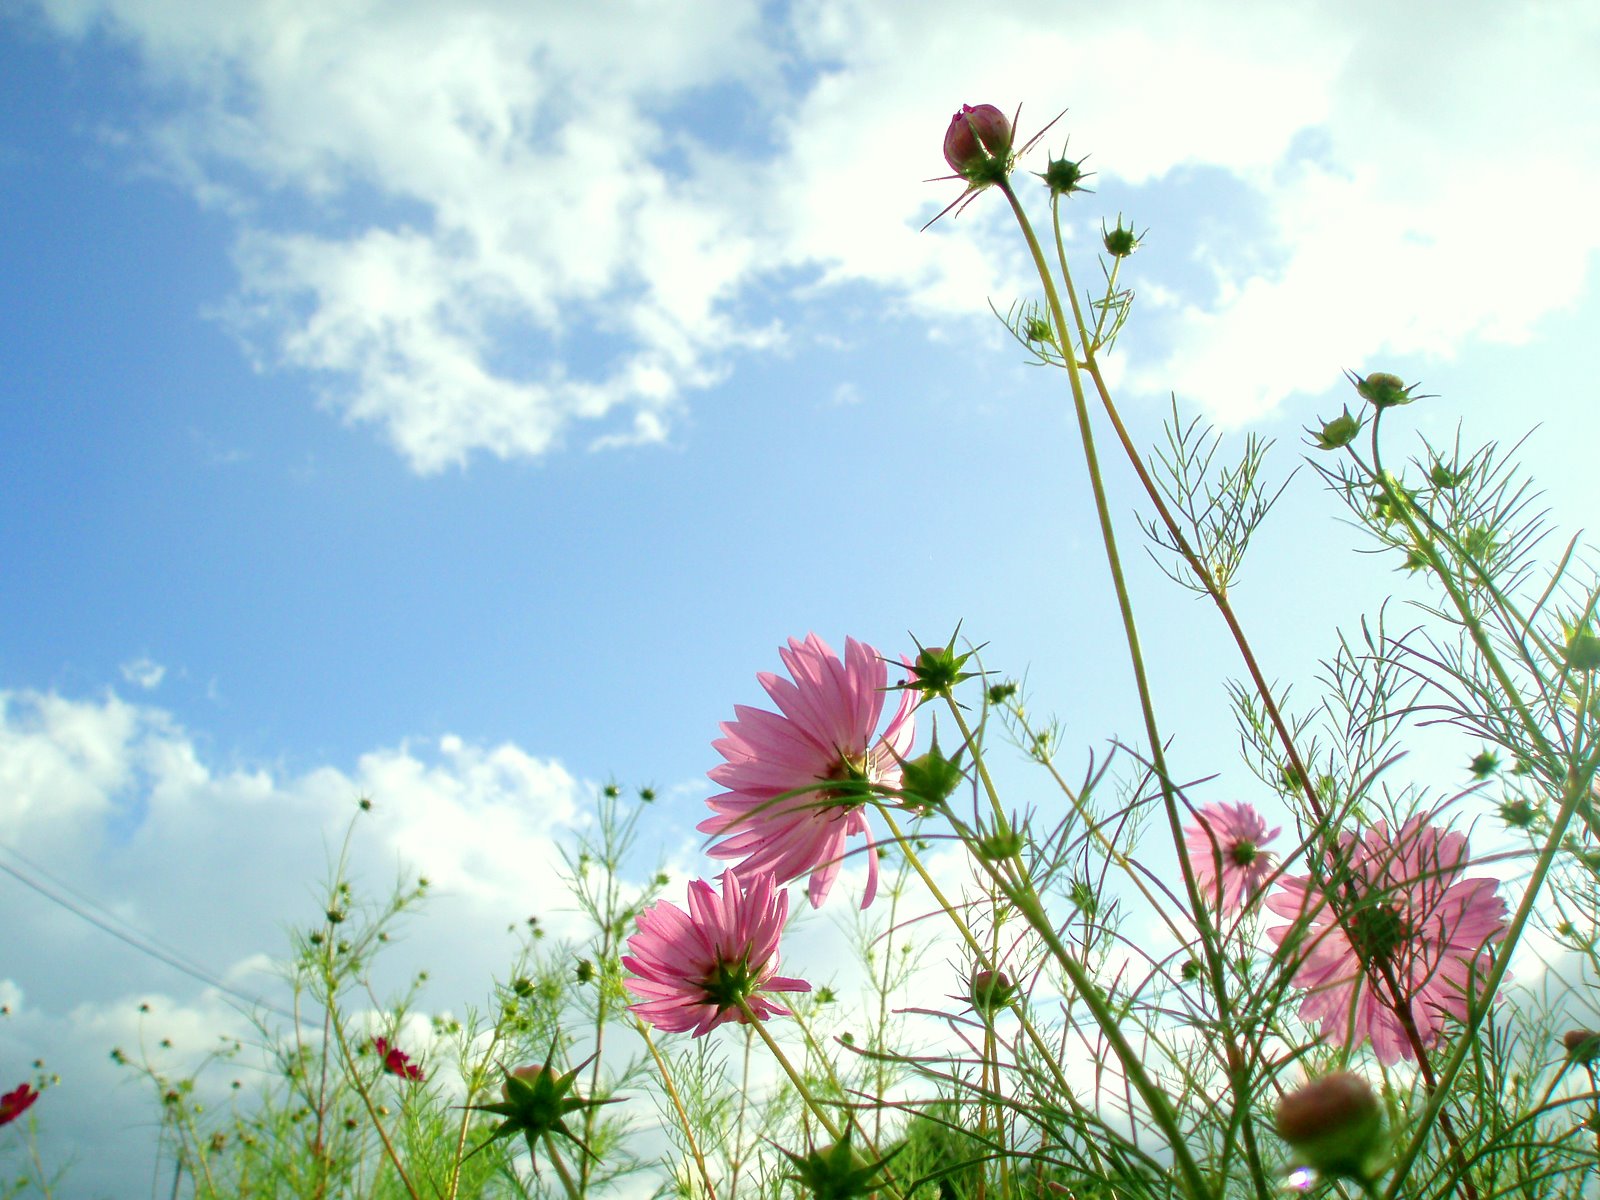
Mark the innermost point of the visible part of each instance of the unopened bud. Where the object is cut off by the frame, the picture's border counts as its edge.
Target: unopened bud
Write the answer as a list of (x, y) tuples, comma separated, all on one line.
[(1340, 431), (978, 137), (1334, 1125), (1583, 652), (990, 991), (1582, 1045), (1119, 242), (1383, 390)]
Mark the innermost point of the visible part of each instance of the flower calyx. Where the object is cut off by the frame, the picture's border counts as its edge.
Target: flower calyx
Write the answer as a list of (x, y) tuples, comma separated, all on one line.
[(990, 991), (535, 1102), (1120, 242), (1064, 175), (1337, 433), (930, 779), (937, 670), (839, 1172), (1383, 390)]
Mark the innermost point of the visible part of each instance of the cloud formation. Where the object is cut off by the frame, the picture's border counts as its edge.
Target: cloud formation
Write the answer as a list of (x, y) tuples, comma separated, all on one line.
[(483, 228), (142, 835)]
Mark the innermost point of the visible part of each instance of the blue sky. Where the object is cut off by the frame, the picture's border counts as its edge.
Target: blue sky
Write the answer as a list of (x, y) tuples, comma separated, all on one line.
[(462, 407)]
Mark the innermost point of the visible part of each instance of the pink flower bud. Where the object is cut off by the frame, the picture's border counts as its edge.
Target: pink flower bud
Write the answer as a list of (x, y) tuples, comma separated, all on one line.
[(976, 136), (1334, 1124)]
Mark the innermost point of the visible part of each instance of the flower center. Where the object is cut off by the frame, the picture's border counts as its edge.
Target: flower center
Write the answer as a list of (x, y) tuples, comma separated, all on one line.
[(1376, 932), (729, 983), (850, 786), (1243, 853)]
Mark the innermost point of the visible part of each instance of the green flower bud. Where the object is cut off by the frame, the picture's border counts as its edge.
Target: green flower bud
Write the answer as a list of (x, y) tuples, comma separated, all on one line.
[(1484, 764), (536, 1102), (1383, 390), (937, 669), (1443, 478), (1583, 652), (1334, 1125), (1340, 431), (1119, 242), (839, 1172), (990, 991), (930, 779), (997, 846), (1064, 176)]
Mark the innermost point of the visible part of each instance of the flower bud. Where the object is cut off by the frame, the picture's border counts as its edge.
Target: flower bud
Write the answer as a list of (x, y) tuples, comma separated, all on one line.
[(1119, 242), (1582, 1045), (1484, 764), (1383, 390), (938, 669), (1340, 431), (930, 779), (1444, 478), (839, 1172), (1064, 176), (1583, 652), (1334, 1124), (976, 139), (990, 991)]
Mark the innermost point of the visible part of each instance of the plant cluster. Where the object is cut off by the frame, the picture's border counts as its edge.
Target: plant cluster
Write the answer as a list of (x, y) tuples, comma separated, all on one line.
[(1161, 995)]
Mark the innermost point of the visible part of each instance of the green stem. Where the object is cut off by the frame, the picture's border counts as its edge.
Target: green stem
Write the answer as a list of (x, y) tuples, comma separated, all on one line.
[(811, 1102), (1208, 936), (561, 1167), (677, 1105)]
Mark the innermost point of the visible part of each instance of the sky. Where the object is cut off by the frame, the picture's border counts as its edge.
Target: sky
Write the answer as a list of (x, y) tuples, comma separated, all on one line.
[(458, 405)]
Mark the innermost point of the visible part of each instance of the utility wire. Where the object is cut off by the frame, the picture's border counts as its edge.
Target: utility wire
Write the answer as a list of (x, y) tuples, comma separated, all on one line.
[(84, 908)]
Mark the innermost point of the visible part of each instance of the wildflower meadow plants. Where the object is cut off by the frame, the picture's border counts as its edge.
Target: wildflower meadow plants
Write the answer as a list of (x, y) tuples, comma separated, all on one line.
[(1147, 992)]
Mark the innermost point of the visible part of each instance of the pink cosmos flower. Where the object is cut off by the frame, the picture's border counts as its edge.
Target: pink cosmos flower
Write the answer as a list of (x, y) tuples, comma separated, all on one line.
[(798, 779), (1411, 918), (1225, 853), (692, 968)]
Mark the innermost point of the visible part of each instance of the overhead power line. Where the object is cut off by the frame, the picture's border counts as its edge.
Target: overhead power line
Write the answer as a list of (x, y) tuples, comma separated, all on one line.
[(81, 906)]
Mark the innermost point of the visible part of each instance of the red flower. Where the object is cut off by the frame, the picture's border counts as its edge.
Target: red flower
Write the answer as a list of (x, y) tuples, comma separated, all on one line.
[(13, 1104), (396, 1061)]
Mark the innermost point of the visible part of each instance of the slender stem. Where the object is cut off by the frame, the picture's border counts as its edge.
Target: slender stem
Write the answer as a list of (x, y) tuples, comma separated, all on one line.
[(744, 1104), (372, 1109), (756, 1023), (561, 1167), (1048, 1055), (1022, 894), (677, 1104)]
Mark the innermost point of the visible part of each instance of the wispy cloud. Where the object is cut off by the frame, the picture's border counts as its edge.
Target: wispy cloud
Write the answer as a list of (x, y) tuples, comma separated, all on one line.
[(144, 673), (484, 228)]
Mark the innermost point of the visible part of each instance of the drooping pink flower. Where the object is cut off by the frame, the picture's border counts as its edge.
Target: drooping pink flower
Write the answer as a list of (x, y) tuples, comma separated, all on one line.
[(691, 969), (798, 779), (1411, 918), (1225, 851), (16, 1102), (396, 1061)]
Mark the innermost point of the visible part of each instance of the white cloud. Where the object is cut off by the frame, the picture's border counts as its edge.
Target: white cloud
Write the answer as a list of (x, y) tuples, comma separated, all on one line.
[(112, 808), (485, 226), (144, 673)]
